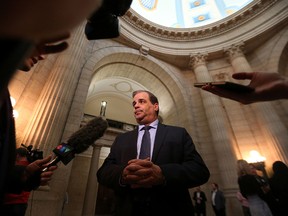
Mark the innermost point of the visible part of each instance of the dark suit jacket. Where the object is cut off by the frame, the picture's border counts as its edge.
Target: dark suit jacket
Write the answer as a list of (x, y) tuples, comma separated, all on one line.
[(202, 204), (179, 161), (219, 200)]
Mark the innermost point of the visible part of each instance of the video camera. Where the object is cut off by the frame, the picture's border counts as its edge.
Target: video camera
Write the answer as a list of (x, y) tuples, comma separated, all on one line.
[(104, 22), (33, 155)]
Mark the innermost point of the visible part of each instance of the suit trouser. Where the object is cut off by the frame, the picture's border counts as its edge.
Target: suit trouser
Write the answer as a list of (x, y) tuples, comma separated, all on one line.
[(219, 212)]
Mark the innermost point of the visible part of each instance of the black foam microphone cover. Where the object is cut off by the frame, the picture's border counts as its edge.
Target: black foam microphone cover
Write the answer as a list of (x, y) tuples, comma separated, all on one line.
[(86, 136), (79, 141)]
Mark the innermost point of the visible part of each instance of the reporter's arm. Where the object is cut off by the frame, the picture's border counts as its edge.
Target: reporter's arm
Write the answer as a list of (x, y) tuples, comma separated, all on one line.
[(267, 87)]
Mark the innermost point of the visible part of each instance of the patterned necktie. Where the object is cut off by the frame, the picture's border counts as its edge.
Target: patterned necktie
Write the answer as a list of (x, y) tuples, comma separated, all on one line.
[(145, 144)]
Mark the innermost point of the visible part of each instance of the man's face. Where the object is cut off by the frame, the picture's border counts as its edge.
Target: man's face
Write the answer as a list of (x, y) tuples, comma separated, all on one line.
[(144, 110)]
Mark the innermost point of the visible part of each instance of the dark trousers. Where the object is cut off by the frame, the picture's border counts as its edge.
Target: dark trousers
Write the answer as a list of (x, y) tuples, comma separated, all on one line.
[(13, 209), (219, 212), (200, 210)]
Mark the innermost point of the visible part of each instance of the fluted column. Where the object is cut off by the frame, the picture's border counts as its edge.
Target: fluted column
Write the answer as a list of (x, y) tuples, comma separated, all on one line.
[(237, 57), (26, 89), (218, 123), (272, 126), (92, 184), (47, 124), (45, 128)]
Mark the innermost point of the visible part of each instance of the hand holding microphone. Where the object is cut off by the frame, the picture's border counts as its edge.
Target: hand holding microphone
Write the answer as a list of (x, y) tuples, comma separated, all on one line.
[(79, 141)]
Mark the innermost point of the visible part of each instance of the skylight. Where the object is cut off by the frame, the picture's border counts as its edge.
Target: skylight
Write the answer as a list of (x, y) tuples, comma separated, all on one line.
[(186, 13)]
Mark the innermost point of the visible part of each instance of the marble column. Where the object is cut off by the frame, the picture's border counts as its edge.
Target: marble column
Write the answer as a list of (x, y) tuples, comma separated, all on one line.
[(218, 123), (271, 125), (92, 184), (45, 129), (26, 89)]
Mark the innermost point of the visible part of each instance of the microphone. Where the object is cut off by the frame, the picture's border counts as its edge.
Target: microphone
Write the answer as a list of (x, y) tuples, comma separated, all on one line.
[(79, 141)]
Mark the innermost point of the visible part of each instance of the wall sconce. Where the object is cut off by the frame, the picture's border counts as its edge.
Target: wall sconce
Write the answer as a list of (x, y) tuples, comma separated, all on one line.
[(15, 112), (258, 161), (103, 108), (255, 157)]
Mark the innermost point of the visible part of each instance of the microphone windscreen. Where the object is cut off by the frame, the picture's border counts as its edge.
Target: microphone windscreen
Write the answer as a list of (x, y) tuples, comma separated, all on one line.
[(88, 134)]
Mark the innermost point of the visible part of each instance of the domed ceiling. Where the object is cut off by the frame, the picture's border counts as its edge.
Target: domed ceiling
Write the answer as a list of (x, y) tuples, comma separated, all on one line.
[(183, 27), (186, 13)]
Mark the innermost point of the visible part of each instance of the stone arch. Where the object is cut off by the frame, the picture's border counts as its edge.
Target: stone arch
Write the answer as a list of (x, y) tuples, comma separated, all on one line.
[(279, 54), (159, 77)]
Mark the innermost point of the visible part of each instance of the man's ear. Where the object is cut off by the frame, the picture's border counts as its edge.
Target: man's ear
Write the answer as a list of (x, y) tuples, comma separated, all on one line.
[(156, 107)]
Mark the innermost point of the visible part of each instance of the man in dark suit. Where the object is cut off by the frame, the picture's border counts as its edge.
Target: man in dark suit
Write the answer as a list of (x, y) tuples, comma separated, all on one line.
[(218, 201), (200, 202), (159, 183)]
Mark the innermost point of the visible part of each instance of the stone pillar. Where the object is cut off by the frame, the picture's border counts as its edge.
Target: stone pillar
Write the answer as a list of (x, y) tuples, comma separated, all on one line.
[(237, 58), (219, 125), (271, 125), (45, 129), (92, 184)]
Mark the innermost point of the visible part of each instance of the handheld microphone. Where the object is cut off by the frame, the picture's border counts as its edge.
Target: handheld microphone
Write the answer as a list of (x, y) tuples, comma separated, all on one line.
[(79, 141)]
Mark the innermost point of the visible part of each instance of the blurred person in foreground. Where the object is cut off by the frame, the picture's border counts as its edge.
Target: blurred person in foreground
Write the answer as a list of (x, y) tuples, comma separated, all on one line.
[(14, 179), (267, 87), (36, 21), (25, 25), (156, 183), (279, 187), (244, 203)]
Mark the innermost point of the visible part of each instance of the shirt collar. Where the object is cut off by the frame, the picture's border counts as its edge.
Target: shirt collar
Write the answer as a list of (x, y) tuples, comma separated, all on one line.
[(154, 124)]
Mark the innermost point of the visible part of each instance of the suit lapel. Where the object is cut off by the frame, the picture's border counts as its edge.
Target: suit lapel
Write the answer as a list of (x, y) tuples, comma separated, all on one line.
[(132, 153), (159, 140)]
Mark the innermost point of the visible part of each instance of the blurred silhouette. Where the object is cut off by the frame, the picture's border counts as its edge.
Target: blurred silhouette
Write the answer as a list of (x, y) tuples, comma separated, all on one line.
[(252, 189), (200, 202), (279, 187)]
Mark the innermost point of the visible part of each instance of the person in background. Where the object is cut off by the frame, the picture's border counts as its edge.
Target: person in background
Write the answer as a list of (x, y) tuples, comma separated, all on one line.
[(252, 189), (279, 186), (16, 204), (267, 195), (152, 181), (267, 87), (244, 204), (218, 200), (200, 202)]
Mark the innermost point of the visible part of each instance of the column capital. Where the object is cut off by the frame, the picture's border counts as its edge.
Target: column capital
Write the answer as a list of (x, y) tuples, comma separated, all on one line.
[(235, 50), (197, 59)]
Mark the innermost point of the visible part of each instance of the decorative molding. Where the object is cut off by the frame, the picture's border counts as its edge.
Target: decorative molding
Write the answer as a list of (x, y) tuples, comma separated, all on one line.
[(211, 30), (144, 50)]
